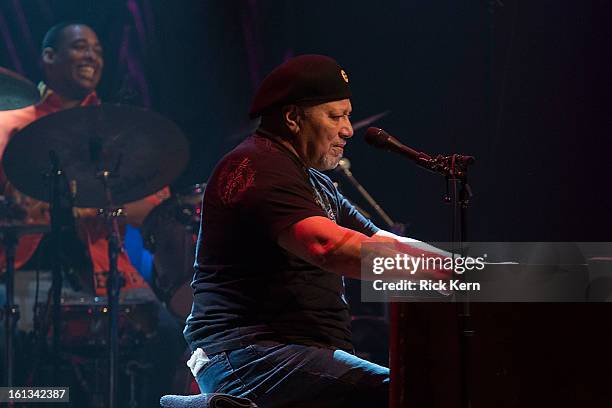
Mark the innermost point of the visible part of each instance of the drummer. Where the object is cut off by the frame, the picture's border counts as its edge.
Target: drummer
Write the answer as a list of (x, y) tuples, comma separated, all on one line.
[(72, 60)]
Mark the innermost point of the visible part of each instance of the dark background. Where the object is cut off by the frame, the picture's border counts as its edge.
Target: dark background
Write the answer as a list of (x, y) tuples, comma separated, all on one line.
[(523, 86)]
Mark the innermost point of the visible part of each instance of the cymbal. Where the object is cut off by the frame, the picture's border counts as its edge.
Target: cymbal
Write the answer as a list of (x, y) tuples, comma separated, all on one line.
[(143, 150), (369, 120), (16, 92)]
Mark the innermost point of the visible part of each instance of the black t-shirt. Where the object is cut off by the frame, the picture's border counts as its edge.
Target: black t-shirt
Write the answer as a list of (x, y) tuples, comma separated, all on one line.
[(246, 287)]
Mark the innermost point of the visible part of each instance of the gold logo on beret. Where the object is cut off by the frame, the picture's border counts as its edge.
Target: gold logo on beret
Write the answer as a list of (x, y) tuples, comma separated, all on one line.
[(344, 76)]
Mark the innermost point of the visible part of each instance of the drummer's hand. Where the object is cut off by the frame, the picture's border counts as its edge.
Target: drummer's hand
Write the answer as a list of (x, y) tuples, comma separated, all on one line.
[(86, 212), (137, 211)]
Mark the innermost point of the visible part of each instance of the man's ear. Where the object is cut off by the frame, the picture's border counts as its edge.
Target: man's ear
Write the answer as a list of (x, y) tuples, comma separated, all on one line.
[(291, 117), (48, 55)]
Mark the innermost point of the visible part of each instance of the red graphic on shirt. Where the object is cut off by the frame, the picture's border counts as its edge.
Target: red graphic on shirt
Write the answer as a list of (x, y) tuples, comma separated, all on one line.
[(237, 177)]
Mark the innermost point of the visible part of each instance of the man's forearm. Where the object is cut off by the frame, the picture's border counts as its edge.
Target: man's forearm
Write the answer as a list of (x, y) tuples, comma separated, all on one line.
[(387, 246), (339, 250), (346, 255)]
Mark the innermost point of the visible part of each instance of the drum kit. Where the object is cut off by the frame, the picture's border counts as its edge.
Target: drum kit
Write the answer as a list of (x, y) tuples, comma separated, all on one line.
[(170, 232), (97, 157)]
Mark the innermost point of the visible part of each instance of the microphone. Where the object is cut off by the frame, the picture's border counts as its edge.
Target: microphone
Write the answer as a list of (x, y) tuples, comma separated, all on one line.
[(344, 165), (440, 164), (379, 138)]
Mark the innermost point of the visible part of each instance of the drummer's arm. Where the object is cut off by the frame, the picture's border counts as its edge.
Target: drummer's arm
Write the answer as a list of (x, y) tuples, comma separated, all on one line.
[(8, 128), (137, 211)]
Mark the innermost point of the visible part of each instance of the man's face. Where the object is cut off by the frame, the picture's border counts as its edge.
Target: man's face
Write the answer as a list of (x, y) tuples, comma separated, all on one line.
[(75, 66), (324, 129)]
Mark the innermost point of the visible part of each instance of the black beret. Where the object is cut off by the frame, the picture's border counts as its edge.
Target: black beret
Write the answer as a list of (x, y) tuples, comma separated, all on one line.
[(305, 78)]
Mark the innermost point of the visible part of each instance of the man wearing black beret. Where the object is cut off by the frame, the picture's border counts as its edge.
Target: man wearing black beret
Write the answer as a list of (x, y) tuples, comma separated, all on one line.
[(270, 321)]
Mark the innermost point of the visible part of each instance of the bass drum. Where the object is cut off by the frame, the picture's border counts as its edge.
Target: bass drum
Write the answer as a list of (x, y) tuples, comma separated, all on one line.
[(170, 233)]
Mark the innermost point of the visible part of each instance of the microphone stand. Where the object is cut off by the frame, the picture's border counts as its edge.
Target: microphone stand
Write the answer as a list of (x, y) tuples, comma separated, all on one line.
[(454, 168), (459, 199), (344, 167)]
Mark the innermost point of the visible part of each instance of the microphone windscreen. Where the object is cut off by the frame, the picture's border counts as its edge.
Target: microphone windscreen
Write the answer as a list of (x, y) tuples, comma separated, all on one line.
[(344, 163), (376, 137)]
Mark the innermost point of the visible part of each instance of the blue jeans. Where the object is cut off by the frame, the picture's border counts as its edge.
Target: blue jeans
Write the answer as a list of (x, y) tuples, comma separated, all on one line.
[(290, 375)]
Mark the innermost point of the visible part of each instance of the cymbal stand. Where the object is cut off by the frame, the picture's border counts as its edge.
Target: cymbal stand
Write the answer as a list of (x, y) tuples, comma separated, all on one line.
[(11, 310), (55, 176), (113, 286)]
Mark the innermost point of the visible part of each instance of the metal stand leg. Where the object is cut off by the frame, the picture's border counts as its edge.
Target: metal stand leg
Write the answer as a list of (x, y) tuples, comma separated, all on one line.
[(11, 311)]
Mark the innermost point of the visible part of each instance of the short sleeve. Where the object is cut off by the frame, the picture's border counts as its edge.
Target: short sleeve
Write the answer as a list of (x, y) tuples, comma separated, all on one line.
[(271, 189)]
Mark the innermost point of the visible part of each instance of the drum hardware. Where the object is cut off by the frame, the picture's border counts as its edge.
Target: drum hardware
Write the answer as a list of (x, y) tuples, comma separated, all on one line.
[(87, 145), (11, 311), (132, 368), (15, 92), (85, 325), (344, 168), (55, 177), (170, 232), (84, 343), (9, 233), (116, 212), (113, 283)]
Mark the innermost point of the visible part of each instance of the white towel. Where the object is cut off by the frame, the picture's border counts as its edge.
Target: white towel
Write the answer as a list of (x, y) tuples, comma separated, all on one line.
[(197, 360)]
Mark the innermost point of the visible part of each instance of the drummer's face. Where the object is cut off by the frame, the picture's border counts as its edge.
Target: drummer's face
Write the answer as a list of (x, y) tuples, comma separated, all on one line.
[(78, 60)]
